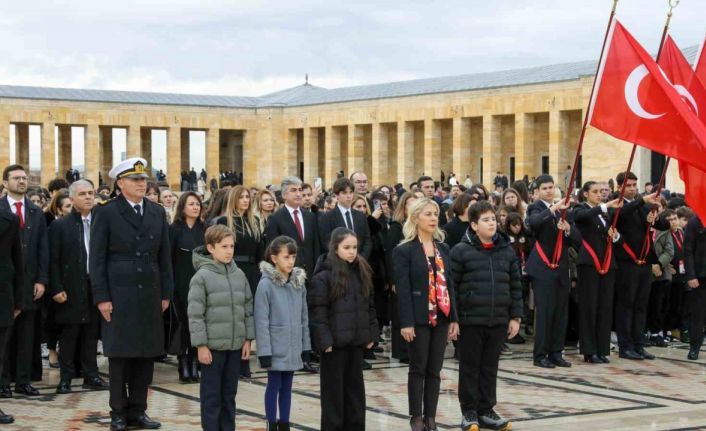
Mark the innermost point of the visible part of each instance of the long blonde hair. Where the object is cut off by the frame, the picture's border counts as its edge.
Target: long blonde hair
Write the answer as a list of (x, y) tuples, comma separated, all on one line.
[(400, 215), (255, 202), (409, 230), (249, 222)]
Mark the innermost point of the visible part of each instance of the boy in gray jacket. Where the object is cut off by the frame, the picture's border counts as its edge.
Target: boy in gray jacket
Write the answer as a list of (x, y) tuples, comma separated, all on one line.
[(221, 323)]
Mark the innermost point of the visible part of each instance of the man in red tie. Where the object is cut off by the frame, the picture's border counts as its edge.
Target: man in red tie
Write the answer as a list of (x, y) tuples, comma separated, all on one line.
[(35, 250)]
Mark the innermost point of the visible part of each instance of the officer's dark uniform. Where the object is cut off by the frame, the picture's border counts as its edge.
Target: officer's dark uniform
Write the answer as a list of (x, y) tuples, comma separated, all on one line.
[(130, 265)]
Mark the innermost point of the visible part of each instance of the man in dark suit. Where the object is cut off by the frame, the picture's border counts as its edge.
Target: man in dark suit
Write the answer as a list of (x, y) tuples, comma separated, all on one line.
[(70, 288), (426, 185), (549, 276), (130, 267), (35, 255), (344, 216), (634, 276), (10, 283)]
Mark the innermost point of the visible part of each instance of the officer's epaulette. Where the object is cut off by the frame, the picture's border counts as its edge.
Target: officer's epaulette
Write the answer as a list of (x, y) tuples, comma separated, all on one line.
[(106, 201)]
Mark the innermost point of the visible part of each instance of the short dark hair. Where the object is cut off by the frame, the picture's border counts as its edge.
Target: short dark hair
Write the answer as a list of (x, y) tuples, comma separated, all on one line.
[(478, 209), (57, 184), (342, 184), (424, 178), (668, 213), (648, 184), (685, 212), (8, 169), (460, 205), (621, 177), (307, 186), (543, 179), (217, 233)]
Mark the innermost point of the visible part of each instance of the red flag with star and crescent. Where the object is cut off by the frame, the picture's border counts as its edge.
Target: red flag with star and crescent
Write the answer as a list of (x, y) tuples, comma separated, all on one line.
[(692, 91), (635, 102)]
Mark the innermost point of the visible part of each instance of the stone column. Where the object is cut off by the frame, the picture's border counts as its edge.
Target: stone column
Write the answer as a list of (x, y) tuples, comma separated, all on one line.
[(311, 146), (557, 146), (524, 146), (332, 147), (22, 145), (250, 158), (405, 152), (4, 141), (133, 147), (174, 158), (48, 164), (461, 147), (356, 139), (92, 150), (64, 149), (432, 149), (380, 154), (106, 152), (491, 148), (213, 154), (185, 142)]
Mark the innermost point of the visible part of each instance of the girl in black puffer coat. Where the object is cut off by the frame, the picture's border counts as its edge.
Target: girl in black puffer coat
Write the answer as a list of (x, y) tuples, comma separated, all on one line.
[(343, 321)]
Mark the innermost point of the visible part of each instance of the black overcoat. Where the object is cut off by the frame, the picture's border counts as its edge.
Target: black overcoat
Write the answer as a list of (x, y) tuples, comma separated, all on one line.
[(10, 268)]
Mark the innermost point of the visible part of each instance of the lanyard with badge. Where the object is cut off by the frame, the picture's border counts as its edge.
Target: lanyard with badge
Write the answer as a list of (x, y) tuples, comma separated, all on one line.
[(679, 242)]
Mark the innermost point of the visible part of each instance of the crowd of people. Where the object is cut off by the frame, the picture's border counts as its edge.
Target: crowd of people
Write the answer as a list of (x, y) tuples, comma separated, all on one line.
[(321, 280)]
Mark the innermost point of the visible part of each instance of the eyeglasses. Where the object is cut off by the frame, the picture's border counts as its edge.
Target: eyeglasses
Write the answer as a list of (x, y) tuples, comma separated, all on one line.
[(18, 178)]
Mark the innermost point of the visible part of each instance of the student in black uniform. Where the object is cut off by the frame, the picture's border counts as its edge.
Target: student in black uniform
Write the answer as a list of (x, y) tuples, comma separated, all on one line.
[(596, 272), (549, 276), (695, 260)]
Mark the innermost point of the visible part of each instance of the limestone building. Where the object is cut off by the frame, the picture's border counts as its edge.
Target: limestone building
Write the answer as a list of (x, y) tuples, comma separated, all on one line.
[(520, 122)]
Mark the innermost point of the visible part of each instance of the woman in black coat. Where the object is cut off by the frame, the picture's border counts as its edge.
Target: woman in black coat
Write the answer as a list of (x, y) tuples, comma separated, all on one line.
[(456, 228), (427, 308), (185, 234), (249, 242)]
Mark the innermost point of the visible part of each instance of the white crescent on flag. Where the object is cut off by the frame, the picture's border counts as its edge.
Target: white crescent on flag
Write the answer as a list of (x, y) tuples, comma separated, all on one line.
[(632, 85)]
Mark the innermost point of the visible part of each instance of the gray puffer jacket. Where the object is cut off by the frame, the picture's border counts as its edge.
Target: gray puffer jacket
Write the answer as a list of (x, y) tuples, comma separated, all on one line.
[(220, 304), (281, 319)]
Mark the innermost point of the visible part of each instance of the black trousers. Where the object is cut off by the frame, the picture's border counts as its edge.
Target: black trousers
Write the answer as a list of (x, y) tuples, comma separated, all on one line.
[(479, 350), (18, 358), (426, 357), (632, 296), (342, 390), (595, 294), (697, 305), (676, 314), (399, 347), (659, 306), (219, 384), (4, 332), (79, 342), (551, 311), (129, 380)]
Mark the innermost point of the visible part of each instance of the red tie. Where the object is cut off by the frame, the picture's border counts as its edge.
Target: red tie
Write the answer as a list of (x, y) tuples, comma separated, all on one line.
[(18, 208), (298, 224)]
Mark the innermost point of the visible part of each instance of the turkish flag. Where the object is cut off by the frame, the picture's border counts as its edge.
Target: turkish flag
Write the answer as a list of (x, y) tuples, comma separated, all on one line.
[(634, 102), (692, 91), (700, 63)]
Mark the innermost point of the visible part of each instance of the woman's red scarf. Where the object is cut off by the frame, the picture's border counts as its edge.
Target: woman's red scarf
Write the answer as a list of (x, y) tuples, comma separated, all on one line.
[(438, 293)]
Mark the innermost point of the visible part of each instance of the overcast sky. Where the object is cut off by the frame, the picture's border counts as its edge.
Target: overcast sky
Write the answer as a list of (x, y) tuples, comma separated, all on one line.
[(255, 47)]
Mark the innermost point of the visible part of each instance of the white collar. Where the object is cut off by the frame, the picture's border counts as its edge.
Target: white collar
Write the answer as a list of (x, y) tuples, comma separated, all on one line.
[(12, 201), (132, 204)]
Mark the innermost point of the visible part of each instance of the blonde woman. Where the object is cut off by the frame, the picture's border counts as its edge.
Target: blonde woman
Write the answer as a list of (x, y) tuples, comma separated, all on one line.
[(427, 308), (265, 205)]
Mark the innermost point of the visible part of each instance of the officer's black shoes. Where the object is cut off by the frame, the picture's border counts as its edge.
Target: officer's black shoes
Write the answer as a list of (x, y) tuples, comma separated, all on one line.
[(64, 387), (604, 359), (693, 354), (143, 422), (6, 419), (5, 391), (118, 423), (592, 359), (560, 362), (631, 354), (645, 354), (26, 389), (95, 383), (544, 363), (469, 421), (493, 421)]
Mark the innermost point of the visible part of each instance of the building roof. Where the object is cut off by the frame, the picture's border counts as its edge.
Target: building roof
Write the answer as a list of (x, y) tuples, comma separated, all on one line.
[(308, 94)]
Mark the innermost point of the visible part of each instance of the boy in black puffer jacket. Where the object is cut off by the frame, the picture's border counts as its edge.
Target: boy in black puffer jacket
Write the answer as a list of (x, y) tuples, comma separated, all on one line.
[(488, 280)]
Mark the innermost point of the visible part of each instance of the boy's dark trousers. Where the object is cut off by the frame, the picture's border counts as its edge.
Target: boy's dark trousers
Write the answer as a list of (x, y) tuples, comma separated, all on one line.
[(479, 349), (342, 390), (697, 304), (219, 384)]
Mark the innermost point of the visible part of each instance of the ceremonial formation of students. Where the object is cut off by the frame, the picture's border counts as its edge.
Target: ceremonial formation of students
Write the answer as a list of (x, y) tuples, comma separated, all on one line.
[(312, 280)]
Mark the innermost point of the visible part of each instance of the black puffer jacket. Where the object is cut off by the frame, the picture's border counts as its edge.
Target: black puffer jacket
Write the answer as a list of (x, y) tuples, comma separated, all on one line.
[(347, 321), (488, 281)]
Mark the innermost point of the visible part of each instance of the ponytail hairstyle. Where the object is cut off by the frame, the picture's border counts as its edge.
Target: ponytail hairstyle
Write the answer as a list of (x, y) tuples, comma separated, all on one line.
[(586, 187), (277, 245), (341, 270)]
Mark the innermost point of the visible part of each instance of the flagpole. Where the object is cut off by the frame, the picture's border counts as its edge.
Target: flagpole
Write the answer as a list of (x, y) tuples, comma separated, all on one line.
[(672, 4)]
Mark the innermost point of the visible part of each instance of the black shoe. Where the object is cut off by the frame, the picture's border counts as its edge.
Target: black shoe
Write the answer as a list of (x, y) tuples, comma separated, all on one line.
[(118, 423), (630, 354), (95, 383), (430, 424), (366, 365), (592, 359), (64, 387), (404, 361), (26, 389), (517, 339), (492, 420), (183, 369), (604, 359), (6, 419), (560, 362), (144, 422), (658, 341), (271, 426), (309, 368), (5, 391), (645, 354), (693, 354), (282, 426), (544, 363)]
